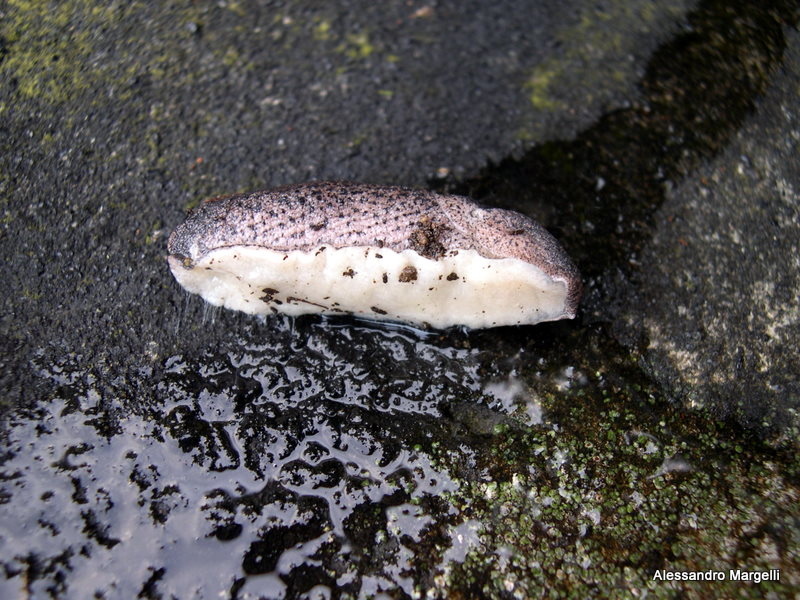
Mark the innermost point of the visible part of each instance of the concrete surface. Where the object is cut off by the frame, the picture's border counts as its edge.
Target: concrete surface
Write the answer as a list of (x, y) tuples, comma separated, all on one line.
[(155, 447)]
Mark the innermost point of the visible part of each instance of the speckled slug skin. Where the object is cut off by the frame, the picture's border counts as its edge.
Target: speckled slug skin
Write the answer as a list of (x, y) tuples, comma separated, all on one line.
[(378, 252)]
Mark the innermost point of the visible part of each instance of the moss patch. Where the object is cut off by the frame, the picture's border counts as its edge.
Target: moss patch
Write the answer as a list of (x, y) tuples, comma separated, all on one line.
[(617, 483), (596, 55)]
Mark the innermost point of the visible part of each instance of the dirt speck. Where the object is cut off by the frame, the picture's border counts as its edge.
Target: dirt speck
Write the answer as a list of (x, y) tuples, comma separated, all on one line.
[(408, 274)]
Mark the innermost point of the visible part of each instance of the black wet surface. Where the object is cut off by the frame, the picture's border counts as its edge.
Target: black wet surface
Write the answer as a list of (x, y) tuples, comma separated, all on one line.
[(304, 455)]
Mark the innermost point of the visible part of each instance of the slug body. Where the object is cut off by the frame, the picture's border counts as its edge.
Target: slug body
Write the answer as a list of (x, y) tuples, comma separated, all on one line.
[(377, 252)]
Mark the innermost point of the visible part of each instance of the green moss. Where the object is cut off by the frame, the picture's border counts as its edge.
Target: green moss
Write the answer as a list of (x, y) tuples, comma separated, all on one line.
[(592, 48), (538, 84), (48, 55), (230, 57), (154, 234), (357, 46), (236, 8), (616, 483), (31, 295), (57, 52), (322, 31)]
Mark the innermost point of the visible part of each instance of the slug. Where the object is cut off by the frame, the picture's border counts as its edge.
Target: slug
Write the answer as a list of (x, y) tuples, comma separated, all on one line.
[(379, 252)]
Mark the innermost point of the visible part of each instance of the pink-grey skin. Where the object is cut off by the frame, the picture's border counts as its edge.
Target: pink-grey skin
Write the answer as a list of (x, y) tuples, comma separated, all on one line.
[(343, 214)]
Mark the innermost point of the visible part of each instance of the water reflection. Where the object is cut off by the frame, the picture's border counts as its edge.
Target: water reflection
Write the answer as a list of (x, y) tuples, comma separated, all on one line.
[(295, 461)]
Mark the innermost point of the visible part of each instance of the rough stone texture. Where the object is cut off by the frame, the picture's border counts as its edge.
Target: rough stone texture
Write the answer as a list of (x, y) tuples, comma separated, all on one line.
[(154, 448), (115, 120), (718, 289)]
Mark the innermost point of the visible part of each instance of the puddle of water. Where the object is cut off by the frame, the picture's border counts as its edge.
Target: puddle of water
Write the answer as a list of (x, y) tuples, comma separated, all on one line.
[(302, 458), (297, 463)]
